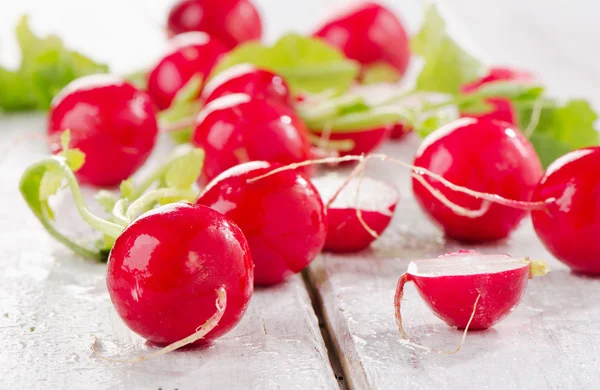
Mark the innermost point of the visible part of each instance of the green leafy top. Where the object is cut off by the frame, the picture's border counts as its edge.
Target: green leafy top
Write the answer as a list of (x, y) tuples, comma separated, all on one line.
[(308, 64), (447, 65), (46, 67)]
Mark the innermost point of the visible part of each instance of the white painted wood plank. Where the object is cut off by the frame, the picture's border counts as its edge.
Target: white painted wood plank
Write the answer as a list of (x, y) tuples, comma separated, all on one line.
[(550, 341), (52, 303)]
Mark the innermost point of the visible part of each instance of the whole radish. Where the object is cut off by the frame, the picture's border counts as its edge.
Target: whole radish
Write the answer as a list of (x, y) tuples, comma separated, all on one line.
[(570, 225), (230, 21), (236, 128), (281, 215), (376, 202), (191, 54), (502, 109), (482, 155), (110, 120), (469, 289), (168, 266), (245, 78), (370, 34), (399, 130)]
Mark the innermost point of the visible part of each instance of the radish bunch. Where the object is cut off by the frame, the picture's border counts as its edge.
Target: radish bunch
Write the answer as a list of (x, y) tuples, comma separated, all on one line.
[(183, 260)]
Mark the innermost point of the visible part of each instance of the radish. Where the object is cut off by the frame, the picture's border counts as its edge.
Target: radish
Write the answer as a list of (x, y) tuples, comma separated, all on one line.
[(483, 156), (370, 34), (245, 78), (569, 226), (111, 121), (236, 128), (168, 267), (502, 109), (281, 215), (230, 21), (467, 289), (191, 54), (345, 232)]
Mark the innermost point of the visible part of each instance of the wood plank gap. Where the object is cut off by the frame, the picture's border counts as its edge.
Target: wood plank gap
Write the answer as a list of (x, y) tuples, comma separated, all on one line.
[(333, 352)]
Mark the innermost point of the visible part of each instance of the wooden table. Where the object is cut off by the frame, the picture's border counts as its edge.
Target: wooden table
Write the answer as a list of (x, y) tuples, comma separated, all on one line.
[(332, 326)]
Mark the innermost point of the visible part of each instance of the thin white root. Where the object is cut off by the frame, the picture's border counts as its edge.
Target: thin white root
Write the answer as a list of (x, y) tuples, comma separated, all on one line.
[(201, 331), (291, 167), (358, 210), (351, 176), (456, 209), (516, 204)]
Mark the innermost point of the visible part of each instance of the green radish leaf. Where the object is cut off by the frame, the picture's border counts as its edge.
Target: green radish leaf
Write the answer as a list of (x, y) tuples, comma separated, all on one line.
[(308, 64), (126, 188), (475, 107), (447, 65), (51, 183), (138, 79), (107, 200), (508, 89), (190, 91), (185, 169), (562, 127), (47, 67), (379, 72)]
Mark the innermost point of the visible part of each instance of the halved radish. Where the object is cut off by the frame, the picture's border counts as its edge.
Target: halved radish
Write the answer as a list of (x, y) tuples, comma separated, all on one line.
[(469, 289), (345, 232)]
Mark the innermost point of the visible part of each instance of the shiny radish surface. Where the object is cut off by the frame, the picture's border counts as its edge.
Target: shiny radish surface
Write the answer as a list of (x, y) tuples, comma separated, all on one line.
[(190, 54), (502, 109), (230, 21), (370, 34), (166, 267), (451, 284), (110, 120), (245, 78), (377, 203), (569, 227), (481, 155), (281, 215), (236, 128)]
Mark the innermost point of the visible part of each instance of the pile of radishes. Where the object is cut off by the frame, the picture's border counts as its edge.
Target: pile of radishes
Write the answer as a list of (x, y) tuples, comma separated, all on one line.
[(247, 204)]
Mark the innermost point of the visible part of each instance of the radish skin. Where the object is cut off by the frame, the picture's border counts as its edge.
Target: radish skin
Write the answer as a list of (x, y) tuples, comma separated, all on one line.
[(480, 156), (569, 227)]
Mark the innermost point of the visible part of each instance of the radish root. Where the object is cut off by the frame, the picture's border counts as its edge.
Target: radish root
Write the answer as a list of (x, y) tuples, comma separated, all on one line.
[(419, 171), (397, 302), (201, 331)]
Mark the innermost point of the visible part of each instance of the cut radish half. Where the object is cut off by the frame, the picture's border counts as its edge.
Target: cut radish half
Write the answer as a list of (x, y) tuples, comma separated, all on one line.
[(452, 284), (376, 202)]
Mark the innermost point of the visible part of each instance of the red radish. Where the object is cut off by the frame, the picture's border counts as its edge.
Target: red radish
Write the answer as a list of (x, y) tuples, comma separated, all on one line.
[(245, 78), (399, 130), (453, 284), (362, 141), (370, 34), (569, 226), (502, 108), (111, 121), (482, 155), (191, 54), (281, 215), (236, 128), (230, 21), (167, 266), (345, 232)]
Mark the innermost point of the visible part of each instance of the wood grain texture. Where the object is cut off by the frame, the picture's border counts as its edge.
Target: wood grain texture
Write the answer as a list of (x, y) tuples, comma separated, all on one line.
[(52, 303), (550, 341)]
